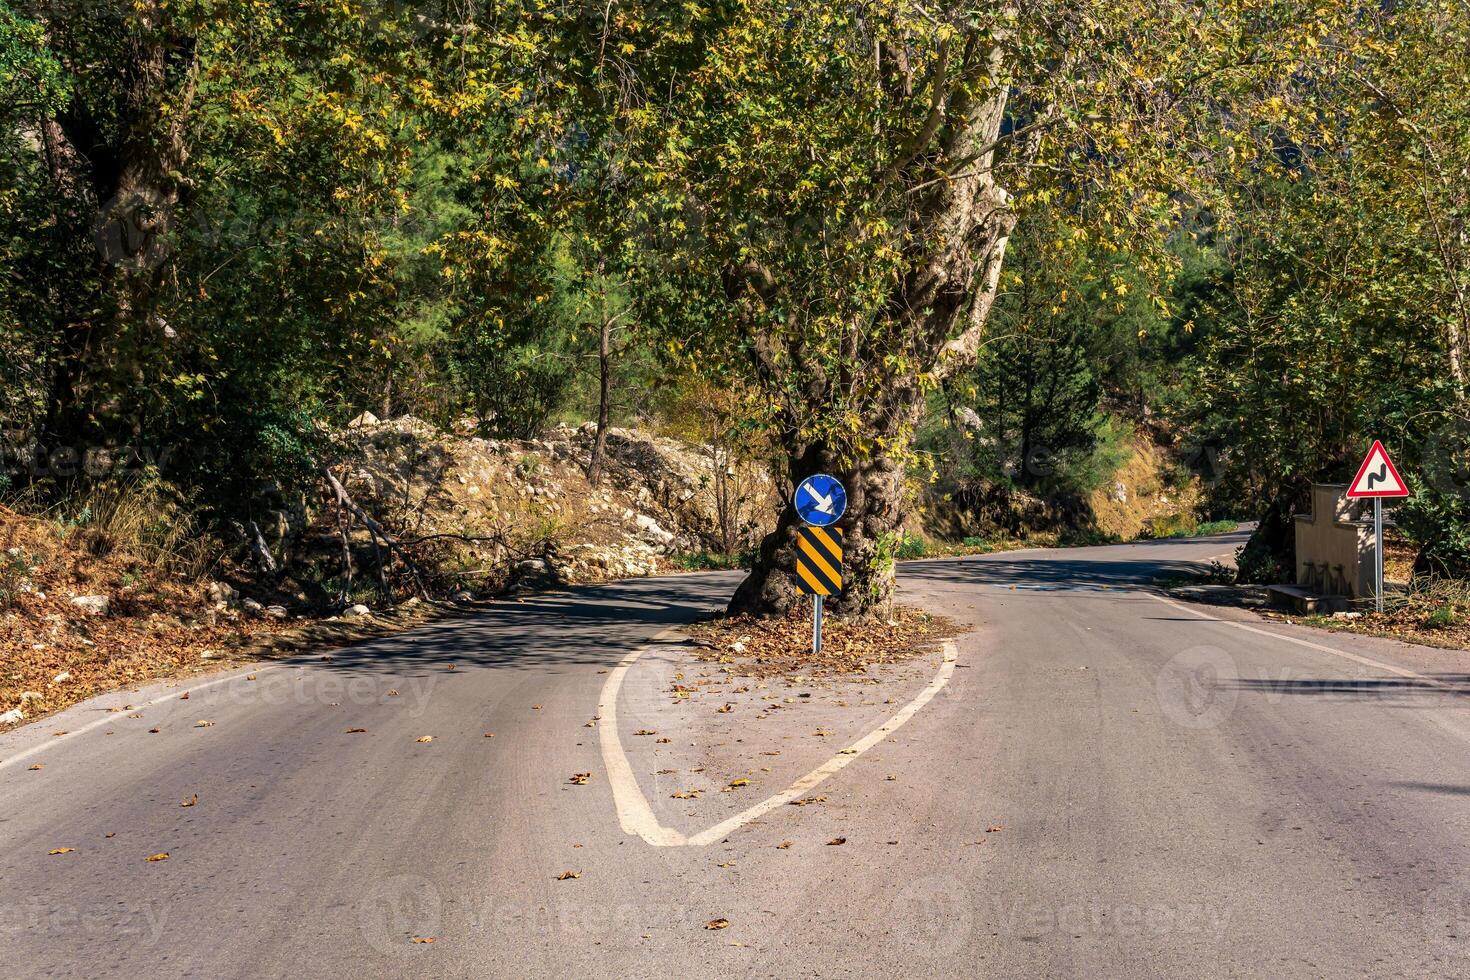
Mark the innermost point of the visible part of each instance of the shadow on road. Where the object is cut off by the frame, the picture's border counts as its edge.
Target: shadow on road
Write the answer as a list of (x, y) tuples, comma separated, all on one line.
[(1073, 568), (1355, 687), (1446, 789), (593, 625)]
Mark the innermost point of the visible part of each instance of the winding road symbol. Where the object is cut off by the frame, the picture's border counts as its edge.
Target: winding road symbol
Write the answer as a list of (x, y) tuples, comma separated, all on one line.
[(1378, 477)]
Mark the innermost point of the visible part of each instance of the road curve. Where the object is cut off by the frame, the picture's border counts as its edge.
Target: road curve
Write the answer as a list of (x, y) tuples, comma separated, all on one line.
[(1110, 784)]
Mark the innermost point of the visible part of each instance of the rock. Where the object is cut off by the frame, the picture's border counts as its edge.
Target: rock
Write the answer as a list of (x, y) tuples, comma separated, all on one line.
[(31, 696), (364, 420), (410, 602), (12, 717), (62, 677), (653, 530), (276, 612), (221, 592), (356, 611), (968, 419), (1120, 492), (92, 605), (1347, 615), (253, 607), (463, 595)]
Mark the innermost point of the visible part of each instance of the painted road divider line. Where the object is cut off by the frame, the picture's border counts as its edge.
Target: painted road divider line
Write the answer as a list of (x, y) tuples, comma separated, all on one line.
[(636, 815)]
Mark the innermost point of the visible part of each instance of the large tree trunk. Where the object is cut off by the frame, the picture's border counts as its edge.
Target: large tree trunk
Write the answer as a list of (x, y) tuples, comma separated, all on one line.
[(871, 529), (122, 163), (956, 222), (604, 402)]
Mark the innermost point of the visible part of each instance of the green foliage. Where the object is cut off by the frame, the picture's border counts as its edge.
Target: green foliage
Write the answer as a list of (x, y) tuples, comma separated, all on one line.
[(706, 561), (1437, 520), (1443, 617), (15, 575)]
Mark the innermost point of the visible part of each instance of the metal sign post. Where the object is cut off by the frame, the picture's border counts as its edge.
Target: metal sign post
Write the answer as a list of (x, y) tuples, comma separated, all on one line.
[(1377, 478), (820, 502), (1378, 553), (817, 625)]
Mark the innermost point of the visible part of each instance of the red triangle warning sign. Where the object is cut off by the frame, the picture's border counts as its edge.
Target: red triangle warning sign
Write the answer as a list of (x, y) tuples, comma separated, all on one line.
[(1377, 477)]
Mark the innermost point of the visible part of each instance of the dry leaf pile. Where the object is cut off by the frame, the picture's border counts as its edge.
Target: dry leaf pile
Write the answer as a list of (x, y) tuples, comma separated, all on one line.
[(783, 646), (52, 654)]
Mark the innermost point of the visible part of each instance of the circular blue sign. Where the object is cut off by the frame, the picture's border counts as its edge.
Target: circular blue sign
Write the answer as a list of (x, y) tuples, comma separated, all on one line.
[(820, 500)]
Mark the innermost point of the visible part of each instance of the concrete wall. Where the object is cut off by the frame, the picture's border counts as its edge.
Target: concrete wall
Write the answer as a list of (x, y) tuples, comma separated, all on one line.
[(1338, 534)]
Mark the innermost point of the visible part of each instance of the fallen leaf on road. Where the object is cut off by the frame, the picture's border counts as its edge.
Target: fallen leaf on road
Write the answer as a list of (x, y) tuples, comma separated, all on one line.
[(37, 767), (60, 733), (136, 714), (61, 850), (392, 694), (770, 753), (489, 734), (203, 723), (184, 696), (688, 794), (191, 801), (424, 738), (153, 731), (111, 835), (450, 667), (726, 864), (645, 731), (847, 752), (739, 782), (160, 856), (664, 741), (726, 709), (808, 801), (535, 707), (423, 939), (717, 924), (568, 875), (356, 731), (836, 840), (590, 724), (250, 677), (580, 778), (994, 830), (783, 845)]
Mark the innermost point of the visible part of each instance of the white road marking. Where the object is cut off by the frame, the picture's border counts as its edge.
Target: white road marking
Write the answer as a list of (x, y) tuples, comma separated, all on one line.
[(111, 718), (1365, 661), (636, 815)]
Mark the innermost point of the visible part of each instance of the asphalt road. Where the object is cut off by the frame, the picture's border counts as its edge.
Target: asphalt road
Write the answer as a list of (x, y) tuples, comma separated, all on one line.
[(1098, 783)]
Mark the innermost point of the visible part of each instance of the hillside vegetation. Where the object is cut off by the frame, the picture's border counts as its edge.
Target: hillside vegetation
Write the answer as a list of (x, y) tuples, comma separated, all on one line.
[(1054, 270)]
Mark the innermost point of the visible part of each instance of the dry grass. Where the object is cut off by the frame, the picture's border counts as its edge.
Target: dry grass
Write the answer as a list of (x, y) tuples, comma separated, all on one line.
[(159, 622)]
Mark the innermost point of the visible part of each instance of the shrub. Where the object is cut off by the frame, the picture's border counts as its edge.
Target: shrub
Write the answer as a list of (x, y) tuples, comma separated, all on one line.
[(1438, 522)]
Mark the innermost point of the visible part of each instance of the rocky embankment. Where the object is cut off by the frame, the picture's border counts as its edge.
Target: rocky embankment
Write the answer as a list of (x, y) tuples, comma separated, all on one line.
[(507, 513)]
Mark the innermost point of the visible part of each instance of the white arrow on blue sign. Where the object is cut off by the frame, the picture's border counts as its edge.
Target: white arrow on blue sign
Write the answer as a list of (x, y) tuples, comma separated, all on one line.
[(820, 500)]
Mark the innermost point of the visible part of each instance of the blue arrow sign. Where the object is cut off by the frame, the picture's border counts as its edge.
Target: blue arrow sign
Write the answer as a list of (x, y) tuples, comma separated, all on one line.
[(820, 500)]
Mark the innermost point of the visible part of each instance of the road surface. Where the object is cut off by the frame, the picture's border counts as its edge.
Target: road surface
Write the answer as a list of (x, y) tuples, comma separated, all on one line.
[(1094, 781)]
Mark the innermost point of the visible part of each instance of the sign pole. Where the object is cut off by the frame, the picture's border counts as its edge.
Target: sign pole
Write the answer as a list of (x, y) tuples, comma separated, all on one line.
[(817, 625), (1377, 478), (1378, 552)]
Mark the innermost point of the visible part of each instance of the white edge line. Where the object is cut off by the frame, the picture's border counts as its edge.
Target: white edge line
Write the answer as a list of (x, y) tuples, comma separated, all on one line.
[(109, 719), (636, 815), (1365, 661)]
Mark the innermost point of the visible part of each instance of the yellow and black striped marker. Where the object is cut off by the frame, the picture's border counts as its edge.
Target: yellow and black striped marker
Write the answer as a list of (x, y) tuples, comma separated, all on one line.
[(819, 560)]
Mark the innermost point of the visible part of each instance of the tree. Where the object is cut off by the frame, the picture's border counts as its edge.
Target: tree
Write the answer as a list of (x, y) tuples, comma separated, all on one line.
[(833, 188)]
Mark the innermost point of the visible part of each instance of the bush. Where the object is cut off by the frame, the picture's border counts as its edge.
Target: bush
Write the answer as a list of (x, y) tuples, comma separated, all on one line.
[(702, 561), (1438, 522), (912, 547)]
